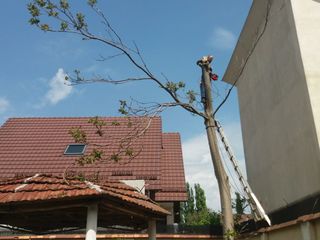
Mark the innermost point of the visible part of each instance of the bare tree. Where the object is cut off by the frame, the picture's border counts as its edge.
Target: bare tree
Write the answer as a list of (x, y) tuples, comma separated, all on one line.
[(67, 21)]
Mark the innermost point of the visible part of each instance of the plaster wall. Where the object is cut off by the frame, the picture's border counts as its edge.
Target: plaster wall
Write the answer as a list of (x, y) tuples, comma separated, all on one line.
[(307, 20), (169, 207), (277, 114)]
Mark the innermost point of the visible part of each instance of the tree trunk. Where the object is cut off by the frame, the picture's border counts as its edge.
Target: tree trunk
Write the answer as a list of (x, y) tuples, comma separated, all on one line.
[(222, 178)]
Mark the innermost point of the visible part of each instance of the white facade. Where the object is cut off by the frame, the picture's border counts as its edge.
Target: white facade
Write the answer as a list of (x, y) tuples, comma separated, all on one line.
[(279, 98)]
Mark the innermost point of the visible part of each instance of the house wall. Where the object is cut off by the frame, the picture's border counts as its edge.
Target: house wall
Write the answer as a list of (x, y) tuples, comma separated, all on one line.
[(169, 207), (279, 100)]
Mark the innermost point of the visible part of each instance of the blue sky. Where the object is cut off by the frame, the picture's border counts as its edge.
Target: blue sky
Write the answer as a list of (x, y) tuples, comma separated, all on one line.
[(172, 36)]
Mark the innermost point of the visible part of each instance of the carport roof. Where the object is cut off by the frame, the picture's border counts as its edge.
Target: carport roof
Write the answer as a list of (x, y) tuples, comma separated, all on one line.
[(44, 202)]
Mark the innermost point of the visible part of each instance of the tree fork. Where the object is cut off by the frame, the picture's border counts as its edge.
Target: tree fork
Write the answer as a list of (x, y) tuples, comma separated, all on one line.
[(222, 178)]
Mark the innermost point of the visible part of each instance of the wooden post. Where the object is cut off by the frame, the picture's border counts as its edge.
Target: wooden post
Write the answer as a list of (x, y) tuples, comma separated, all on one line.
[(152, 229), (92, 222), (220, 173)]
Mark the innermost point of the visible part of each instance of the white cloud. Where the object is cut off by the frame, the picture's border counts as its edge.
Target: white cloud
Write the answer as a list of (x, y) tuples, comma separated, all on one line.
[(222, 39), (4, 105), (58, 89), (198, 165)]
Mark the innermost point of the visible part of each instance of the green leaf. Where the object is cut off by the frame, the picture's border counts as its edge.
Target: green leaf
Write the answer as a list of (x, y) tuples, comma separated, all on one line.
[(53, 13), (115, 157), (44, 27), (34, 21), (80, 21), (181, 84), (41, 3), (123, 107), (50, 6), (92, 3), (33, 10), (115, 123), (64, 4), (191, 96), (129, 152), (78, 135), (63, 26)]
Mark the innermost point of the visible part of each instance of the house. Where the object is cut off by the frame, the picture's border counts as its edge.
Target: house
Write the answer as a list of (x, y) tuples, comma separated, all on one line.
[(30, 146), (275, 67)]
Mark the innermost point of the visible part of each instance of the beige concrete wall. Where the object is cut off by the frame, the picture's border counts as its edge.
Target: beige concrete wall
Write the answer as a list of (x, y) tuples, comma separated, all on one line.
[(169, 207), (296, 230), (279, 134), (307, 20)]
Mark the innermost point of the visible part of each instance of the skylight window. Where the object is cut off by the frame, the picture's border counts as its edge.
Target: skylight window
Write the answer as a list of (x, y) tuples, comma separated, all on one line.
[(75, 149)]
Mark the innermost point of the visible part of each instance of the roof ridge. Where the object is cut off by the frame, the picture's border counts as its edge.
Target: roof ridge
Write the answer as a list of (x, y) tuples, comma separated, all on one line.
[(25, 182)]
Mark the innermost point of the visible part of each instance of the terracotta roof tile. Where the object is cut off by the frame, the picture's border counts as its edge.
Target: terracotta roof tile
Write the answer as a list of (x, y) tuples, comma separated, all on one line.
[(45, 187), (36, 145), (172, 170)]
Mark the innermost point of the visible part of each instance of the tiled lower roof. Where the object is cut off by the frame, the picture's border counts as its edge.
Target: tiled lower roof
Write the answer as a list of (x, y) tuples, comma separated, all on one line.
[(41, 188)]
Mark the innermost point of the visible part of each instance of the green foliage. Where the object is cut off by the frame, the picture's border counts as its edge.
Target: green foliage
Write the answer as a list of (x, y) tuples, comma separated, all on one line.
[(53, 13), (203, 217), (78, 135), (129, 152), (80, 21), (80, 176), (115, 123), (123, 107), (50, 6), (190, 202), (34, 21), (44, 27), (94, 156), (174, 87), (230, 233), (41, 3), (64, 26), (64, 4), (239, 204), (200, 198), (191, 95), (33, 10), (92, 3), (97, 122), (115, 157), (195, 211)]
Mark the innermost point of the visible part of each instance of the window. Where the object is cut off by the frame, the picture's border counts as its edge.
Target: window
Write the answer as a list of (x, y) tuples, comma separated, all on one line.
[(75, 149)]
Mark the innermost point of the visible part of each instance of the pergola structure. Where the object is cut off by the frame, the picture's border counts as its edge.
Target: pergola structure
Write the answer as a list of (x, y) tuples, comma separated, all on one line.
[(42, 203)]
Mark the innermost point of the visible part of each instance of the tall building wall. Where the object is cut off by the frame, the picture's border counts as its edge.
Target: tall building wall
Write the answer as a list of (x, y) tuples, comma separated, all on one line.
[(307, 20), (278, 103)]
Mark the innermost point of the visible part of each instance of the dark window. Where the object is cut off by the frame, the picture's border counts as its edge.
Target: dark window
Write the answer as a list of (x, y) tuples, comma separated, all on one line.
[(75, 149)]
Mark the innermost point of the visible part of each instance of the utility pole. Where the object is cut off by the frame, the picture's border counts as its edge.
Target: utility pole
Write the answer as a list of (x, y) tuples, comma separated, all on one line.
[(210, 123)]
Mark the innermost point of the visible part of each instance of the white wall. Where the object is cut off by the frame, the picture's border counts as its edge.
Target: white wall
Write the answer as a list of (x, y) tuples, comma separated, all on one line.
[(307, 20), (277, 114)]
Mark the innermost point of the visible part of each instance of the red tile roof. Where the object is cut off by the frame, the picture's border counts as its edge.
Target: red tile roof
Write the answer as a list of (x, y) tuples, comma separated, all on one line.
[(173, 179), (36, 197), (41, 187), (36, 145)]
